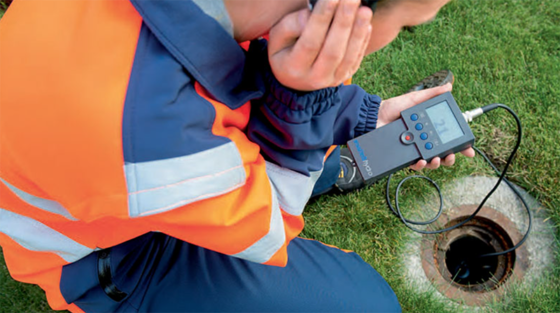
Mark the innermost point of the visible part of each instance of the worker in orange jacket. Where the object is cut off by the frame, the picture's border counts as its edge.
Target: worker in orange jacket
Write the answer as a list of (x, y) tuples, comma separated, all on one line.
[(148, 163)]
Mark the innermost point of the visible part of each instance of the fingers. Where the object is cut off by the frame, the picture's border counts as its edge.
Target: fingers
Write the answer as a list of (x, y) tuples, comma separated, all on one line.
[(311, 41), (448, 160), (319, 49), (333, 50), (357, 45), (427, 94), (288, 30), (391, 109), (419, 165), (436, 162), (433, 165), (469, 152), (344, 42)]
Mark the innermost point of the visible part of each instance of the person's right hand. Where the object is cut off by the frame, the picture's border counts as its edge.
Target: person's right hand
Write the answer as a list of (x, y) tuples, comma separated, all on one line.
[(314, 50), (391, 109)]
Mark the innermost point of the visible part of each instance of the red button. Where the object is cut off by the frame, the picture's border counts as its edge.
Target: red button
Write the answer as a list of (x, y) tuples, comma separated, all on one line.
[(407, 138)]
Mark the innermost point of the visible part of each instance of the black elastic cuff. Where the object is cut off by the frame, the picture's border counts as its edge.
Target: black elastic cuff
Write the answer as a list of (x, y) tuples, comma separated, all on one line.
[(368, 115)]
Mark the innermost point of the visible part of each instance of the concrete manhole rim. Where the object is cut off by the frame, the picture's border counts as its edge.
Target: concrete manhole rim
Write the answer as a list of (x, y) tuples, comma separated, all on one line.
[(542, 245), (455, 291)]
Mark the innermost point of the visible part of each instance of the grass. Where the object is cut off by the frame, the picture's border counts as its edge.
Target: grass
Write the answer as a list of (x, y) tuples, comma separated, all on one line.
[(4, 4), (505, 51), (500, 51)]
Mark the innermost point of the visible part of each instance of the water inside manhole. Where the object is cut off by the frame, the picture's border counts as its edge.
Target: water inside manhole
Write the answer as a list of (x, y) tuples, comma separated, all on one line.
[(458, 254)]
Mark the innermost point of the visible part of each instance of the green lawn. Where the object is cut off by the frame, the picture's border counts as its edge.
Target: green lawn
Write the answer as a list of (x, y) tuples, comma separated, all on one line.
[(505, 51)]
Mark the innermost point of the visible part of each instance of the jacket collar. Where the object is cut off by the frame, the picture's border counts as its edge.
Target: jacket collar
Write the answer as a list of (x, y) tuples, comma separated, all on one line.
[(203, 47)]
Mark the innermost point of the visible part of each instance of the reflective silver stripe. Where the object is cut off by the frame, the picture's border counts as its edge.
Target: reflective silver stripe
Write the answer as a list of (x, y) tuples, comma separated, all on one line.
[(262, 250), (293, 188), (217, 10), (36, 236), (163, 185), (43, 204)]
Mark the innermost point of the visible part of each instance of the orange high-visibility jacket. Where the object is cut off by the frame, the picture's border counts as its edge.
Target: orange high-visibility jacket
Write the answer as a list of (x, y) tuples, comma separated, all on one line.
[(119, 118)]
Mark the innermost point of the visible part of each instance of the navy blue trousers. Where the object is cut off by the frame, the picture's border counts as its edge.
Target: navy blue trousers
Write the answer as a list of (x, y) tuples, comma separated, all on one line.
[(331, 170), (158, 273)]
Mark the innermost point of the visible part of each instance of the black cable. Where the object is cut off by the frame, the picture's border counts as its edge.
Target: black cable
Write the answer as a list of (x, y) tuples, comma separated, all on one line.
[(409, 223), (440, 210), (518, 194)]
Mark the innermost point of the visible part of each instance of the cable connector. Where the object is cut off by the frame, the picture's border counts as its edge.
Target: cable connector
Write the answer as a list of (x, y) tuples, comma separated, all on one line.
[(470, 115)]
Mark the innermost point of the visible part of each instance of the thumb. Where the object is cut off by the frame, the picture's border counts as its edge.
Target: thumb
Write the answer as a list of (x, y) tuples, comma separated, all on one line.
[(427, 94), (391, 108), (286, 32)]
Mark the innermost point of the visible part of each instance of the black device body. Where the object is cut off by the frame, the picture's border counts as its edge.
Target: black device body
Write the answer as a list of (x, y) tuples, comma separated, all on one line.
[(434, 128), (369, 3)]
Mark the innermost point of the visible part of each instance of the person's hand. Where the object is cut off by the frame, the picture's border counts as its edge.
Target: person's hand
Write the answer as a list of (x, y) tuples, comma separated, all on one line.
[(390, 110), (314, 50)]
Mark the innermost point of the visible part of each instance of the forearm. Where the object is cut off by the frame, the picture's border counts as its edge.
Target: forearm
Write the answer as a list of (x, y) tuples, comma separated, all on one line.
[(294, 129)]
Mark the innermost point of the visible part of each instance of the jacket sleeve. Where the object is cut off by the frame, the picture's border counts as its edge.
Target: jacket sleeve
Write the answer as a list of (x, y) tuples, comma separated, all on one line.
[(294, 129)]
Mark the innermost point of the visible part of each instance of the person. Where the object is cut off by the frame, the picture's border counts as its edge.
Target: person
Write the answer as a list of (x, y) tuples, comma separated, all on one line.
[(339, 170), (148, 163)]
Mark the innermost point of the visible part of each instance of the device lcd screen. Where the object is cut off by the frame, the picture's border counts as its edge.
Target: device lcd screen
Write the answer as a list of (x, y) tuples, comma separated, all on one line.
[(444, 121)]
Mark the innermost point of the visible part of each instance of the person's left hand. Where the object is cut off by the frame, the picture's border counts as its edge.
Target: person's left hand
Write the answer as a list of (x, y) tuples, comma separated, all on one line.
[(314, 50), (391, 109)]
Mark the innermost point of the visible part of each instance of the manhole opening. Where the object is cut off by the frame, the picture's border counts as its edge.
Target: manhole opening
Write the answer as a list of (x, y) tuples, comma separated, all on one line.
[(466, 269), (444, 256), (458, 252)]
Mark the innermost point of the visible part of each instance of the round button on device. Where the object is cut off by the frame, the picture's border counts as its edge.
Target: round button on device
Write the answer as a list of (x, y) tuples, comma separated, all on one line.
[(414, 117), (429, 146), (423, 136), (407, 138), (419, 126)]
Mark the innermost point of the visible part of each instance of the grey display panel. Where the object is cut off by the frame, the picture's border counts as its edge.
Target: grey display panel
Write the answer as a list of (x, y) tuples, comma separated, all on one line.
[(444, 122)]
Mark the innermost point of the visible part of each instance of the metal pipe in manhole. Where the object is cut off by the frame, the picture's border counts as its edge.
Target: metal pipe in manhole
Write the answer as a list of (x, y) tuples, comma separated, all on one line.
[(453, 261)]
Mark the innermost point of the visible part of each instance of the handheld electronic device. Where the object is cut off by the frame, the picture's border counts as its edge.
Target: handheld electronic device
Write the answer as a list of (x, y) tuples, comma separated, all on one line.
[(434, 128)]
